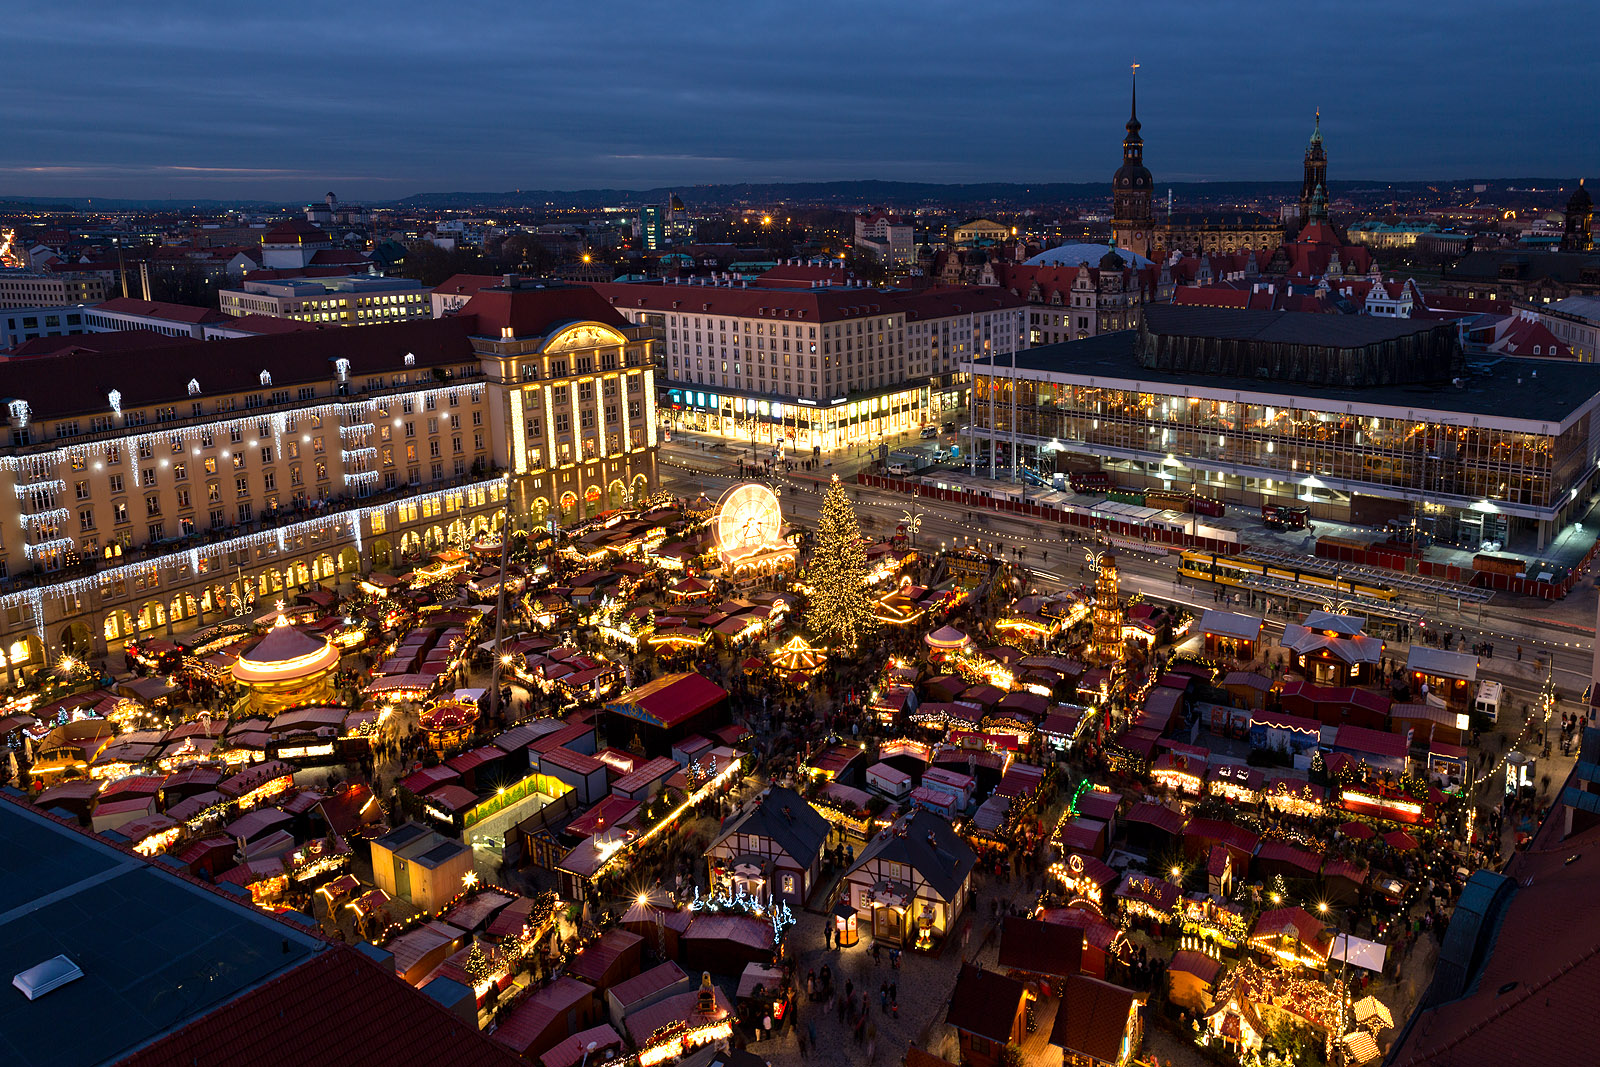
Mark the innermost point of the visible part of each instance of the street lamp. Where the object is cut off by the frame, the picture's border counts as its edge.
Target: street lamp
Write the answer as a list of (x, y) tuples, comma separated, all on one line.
[(590, 1047)]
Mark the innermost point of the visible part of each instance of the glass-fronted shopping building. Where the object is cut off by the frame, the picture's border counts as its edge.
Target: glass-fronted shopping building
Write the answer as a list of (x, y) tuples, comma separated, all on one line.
[(785, 423), (1481, 446)]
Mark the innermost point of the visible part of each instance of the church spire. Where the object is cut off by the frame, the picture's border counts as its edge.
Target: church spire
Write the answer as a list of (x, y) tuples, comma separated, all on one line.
[(1316, 132), (1319, 205), (1133, 144)]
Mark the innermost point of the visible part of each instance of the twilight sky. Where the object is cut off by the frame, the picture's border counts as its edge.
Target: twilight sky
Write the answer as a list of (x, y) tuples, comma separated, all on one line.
[(288, 100)]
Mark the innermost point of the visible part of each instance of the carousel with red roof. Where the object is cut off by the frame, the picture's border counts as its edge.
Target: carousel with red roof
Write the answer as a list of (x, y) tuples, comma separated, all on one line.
[(285, 669)]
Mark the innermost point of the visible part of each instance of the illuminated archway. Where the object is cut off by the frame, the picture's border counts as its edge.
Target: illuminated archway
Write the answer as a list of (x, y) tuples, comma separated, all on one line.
[(569, 508), (433, 540), (618, 493), (410, 545), (641, 489), (76, 639), (349, 560), (382, 553), (591, 502), (539, 513)]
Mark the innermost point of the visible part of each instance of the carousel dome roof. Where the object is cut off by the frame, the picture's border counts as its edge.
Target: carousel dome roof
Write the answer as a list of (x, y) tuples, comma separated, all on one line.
[(285, 655)]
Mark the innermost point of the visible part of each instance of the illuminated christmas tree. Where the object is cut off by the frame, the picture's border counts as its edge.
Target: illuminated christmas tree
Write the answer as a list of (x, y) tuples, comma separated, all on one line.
[(479, 967), (840, 612), (1107, 610)]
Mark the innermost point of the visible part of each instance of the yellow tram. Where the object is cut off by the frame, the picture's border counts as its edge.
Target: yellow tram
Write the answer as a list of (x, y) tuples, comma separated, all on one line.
[(1229, 570)]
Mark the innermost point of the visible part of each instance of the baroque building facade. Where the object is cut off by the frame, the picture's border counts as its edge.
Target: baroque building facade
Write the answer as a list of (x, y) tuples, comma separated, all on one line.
[(223, 473)]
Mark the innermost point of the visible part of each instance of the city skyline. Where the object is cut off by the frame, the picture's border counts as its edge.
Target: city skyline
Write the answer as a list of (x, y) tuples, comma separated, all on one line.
[(271, 106)]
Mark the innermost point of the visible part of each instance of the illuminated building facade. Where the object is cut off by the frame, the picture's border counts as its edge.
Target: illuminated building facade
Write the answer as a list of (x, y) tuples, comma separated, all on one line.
[(28, 289), (815, 366), (176, 495), (355, 300), (1359, 418)]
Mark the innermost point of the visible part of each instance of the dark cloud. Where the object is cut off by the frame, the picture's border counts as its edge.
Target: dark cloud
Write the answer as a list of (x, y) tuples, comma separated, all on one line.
[(159, 99)]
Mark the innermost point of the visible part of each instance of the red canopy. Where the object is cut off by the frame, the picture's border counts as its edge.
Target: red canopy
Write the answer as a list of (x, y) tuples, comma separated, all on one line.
[(1360, 831), (1400, 840)]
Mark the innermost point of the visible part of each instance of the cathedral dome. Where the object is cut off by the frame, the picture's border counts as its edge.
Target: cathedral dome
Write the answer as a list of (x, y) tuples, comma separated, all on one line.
[(1580, 200), (1113, 260), (1072, 255)]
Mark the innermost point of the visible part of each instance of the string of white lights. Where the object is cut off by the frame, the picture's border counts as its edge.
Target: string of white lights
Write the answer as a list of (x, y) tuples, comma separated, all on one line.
[(191, 560)]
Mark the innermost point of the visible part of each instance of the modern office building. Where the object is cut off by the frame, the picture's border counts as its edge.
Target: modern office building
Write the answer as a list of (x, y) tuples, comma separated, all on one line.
[(352, 300), (825, 366), (32, 289), (1362, 418), (151, 494)]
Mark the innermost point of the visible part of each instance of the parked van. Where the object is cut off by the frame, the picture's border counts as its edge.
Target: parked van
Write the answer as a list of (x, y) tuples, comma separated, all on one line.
[(1488, 702), (898, 469)]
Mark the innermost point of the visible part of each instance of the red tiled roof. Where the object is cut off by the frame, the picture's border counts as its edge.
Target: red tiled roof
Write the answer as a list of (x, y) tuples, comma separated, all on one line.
[(1294, 922), (452, 798), (575, 1049), (337, 1008), (270, 324), (1156, 815), (604, 815), (676, 698), (293, 231), (526, 1024), (536, 312), (1278, 852), (78, 383), (1092, 1018), (1222, 833), (1041, 948), (985, 1003), (90, 343), (1199, 964), (591, 962), (643, 985), (647, 1020), (466, 284), (1375, 742), (421, 781), (157, 309), (569, 760), (660, 767)]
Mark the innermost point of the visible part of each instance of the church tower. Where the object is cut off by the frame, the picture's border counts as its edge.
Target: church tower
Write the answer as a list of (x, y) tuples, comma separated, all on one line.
[(1132, 189), (1316, 172), (1579, 235)]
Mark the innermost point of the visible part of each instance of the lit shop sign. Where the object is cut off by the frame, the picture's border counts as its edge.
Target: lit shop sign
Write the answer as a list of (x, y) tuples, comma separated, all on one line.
[(306, 751)]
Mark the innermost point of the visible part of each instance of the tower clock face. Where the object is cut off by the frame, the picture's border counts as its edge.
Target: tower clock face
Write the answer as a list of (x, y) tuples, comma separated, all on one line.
[(748, 516)]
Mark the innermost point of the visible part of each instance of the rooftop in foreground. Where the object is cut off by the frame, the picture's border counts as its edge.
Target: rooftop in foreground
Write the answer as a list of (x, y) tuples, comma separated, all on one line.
[(156, 951)]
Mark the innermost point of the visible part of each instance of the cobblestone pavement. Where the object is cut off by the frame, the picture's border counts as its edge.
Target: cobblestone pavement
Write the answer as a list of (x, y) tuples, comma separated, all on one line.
[(924, 982)]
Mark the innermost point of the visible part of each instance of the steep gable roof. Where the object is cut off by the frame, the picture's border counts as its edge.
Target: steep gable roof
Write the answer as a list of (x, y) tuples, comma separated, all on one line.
[(784, 816)]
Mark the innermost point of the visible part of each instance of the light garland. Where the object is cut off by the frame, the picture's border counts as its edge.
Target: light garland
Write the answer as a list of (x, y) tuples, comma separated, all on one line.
[(190, 559)]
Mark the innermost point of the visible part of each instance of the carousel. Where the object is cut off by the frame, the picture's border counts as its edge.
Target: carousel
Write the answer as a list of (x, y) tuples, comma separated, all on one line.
[(947, 640), (449, 723), (286, 669), (798, 657)]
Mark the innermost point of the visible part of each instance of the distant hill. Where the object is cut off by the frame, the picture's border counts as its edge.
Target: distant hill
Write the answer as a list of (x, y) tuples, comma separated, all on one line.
[(906, 194), (955, 197)]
